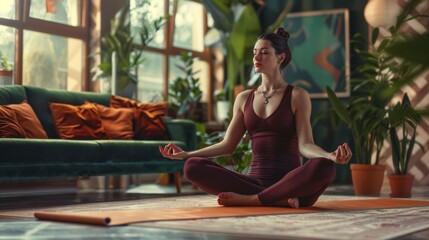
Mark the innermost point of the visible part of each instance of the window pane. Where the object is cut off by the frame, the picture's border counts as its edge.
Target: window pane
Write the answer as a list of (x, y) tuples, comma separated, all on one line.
[(7, 43), (52, 61), (203, 75), (188, 29), (60, 11), (151, 78), (144, 12), (7, 9)]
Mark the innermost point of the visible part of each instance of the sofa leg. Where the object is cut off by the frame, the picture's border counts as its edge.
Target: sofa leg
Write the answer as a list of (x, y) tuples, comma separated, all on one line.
[(178, 181)]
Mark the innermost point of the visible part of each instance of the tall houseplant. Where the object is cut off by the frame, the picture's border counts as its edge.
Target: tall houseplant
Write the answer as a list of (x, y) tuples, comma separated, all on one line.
[(120, 41)]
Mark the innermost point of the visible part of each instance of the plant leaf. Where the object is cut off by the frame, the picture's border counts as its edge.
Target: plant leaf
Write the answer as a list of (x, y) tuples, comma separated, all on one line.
[(220, 13)]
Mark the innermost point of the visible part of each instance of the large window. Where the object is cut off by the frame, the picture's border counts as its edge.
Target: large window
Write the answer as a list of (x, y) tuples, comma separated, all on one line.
[(184, 32), (46, 42)]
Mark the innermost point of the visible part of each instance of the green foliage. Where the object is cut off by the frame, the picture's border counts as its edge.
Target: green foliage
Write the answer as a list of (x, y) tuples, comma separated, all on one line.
[(4, 63), (242, 156), (384, 70), (239, 160), (237, 25), (120, 40), (184, 92), (404, 117)]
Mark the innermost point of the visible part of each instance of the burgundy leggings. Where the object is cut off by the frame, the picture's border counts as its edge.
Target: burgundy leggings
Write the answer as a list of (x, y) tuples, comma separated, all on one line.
[(306, 182)]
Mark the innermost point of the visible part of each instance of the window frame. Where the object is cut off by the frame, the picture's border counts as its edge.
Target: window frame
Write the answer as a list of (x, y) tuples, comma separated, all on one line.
[(170, 50), (23, 22)]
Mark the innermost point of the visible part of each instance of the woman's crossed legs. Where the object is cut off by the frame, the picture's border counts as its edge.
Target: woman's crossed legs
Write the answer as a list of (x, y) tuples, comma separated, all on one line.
[(300, 187)]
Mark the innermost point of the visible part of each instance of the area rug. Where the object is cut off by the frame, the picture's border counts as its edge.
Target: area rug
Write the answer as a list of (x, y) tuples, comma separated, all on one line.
[(123, 217), (381, 224)]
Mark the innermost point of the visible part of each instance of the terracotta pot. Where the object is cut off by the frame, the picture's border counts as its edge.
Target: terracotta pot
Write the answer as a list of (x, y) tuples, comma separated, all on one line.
[(401, 185), (367, 179), (6, 77)]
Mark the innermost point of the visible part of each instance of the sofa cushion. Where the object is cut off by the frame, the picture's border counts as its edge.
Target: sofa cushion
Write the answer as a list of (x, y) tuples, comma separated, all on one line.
[(34, 170), (28, 120), (117, 122), (148, 123), (39, 99), (9, 127), (45, 151), (12, 94), (133, 150), (77, 122)]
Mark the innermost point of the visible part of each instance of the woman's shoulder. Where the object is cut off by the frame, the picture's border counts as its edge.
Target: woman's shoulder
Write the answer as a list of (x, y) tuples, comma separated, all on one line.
[(298, 92), (241, 99), (300, 98), (244, 94)]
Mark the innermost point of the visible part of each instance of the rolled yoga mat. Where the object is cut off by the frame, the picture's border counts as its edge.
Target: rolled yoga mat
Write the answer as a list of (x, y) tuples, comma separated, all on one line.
[(123, 217)]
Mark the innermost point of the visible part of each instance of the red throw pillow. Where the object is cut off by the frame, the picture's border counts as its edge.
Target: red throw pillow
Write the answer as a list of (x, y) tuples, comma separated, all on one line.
[(117, 122), (148, 123), (77, 122), (9, 127), (28, 120)]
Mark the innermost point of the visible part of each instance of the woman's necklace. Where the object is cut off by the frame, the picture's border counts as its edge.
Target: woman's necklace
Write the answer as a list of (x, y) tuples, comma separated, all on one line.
[(266, 97)]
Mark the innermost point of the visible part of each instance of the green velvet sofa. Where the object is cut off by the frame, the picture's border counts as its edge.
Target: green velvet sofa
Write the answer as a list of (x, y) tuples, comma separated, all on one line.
[(24, 158)]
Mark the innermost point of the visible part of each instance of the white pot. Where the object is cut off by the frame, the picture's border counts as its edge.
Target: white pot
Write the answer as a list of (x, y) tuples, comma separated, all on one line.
[(105, 84), (129, 91), (222, 110)]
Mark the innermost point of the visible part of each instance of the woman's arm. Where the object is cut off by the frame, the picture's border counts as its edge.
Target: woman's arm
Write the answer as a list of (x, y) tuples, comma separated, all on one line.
[(233, 135), (301, 106)]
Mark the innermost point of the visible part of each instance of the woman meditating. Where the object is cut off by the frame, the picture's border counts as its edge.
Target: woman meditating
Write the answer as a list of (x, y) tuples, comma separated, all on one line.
[(277, 117)]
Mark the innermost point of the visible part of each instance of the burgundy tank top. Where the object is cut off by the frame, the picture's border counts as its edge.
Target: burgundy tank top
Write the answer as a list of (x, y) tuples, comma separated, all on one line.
[(274, 140)]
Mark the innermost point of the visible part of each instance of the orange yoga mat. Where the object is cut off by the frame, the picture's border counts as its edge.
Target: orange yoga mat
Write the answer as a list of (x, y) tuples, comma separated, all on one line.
[(123, 217)]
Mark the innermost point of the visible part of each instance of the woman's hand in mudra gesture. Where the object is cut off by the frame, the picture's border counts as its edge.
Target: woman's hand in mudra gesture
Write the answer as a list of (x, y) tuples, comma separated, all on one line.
[(172, 151), (342, 154)]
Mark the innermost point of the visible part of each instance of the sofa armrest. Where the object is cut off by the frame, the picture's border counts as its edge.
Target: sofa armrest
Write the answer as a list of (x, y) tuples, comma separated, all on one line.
[(182, 130)]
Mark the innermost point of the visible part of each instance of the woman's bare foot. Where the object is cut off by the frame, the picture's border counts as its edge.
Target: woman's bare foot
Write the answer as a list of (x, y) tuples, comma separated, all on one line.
[(235, 199), (293, 202)]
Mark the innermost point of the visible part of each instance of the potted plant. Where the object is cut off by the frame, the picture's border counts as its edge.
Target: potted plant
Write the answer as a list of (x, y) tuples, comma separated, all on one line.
[(121, 43), (378, 79), (364, 115), (368, 130), (403, 118), (184, 92), (6, 72)]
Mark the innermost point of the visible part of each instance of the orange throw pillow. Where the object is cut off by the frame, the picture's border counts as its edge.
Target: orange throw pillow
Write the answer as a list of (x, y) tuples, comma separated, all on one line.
[(77, 122), (9, 127), (148, 124), (28, 120), (117, 122)]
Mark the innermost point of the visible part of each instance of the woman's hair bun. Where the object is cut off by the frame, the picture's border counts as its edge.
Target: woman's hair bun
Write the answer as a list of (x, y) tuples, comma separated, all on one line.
[(282, 33)]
